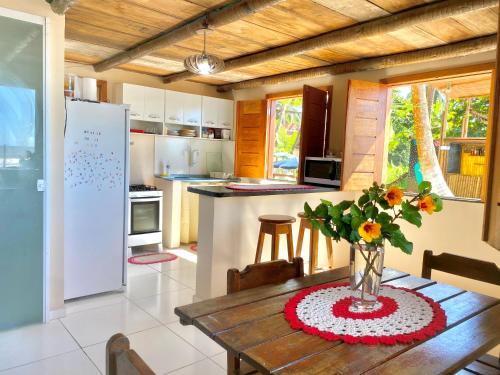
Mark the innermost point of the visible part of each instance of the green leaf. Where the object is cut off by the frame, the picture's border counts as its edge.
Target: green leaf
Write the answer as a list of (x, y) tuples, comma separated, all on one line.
[(354, 236), (371, 211), (357, 221), (344, 205), (424, 187), (335, 212), (390, 228), (413, 217), (364, 199), (321, 210), (308, 210), (398, 240), (355, 211), (383, 218), (347, 219), (407, 206), (438, 202), (325, 202)]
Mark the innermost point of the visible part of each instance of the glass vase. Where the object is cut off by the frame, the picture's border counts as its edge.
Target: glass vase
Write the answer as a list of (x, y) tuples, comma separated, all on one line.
[(366, 265)]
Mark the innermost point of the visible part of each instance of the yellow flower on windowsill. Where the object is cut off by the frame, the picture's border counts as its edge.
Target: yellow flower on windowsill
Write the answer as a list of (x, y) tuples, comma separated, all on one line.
[(427, 204), (369, 231), (394, 196)]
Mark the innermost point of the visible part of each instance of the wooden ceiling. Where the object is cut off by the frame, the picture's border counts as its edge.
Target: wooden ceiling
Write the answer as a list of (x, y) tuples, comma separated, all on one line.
[(99, 29)]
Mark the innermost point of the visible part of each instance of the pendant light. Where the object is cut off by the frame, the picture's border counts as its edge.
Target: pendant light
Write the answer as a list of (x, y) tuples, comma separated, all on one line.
[(204, 63)]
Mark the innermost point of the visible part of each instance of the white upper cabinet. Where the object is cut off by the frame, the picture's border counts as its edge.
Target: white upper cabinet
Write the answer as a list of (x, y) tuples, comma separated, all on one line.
[(154, 104), (210, 109), (191, 105), (226, 113), (134, 96), (174, 107)]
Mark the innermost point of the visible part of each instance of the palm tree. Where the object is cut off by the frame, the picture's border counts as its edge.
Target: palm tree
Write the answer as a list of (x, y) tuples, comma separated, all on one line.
[(429, 164)]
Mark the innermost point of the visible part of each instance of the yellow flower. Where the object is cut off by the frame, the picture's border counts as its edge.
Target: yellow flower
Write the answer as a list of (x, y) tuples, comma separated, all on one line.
[(427, 204), (369, 231), (394, 196)]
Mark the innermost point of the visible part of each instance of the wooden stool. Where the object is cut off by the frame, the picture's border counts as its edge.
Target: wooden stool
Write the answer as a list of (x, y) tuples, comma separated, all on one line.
[(275, 225), (313, 244)]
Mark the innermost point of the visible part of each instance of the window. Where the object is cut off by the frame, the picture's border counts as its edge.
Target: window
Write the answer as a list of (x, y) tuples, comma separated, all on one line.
[(437, 131), (284, 138)]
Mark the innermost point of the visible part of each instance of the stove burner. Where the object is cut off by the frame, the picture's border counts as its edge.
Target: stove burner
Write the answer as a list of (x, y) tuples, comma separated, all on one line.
[(142, 188)]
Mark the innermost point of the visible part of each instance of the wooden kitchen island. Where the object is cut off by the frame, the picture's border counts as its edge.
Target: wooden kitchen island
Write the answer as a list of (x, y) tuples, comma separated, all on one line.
[(228, 229)]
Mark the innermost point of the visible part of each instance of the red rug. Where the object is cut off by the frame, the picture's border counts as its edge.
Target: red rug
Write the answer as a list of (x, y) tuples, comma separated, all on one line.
[(194, 247), (269, 187), (152, 258)]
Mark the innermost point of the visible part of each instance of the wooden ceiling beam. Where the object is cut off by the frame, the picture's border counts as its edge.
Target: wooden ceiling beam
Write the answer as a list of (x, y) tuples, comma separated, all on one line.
[(458, 49), (227, 13), (383, 25)]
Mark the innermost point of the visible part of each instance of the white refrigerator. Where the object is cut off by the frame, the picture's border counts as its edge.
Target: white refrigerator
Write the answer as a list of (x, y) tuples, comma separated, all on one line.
[(95, 197)]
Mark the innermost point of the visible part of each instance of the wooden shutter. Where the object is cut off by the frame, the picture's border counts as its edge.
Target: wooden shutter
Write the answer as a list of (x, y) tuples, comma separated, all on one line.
[(364, 135), (251, 136), (313, 130), (491, 224)]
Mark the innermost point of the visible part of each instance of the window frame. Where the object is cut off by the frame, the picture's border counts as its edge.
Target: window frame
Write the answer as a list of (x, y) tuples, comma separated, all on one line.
[(445, 75)]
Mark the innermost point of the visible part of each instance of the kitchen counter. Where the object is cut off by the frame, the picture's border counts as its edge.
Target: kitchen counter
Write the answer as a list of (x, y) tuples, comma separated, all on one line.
[(197, 178), (222, 191), (228, 230)]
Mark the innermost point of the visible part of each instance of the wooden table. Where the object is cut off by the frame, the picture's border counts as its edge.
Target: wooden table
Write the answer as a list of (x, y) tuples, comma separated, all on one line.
[(251, 325)]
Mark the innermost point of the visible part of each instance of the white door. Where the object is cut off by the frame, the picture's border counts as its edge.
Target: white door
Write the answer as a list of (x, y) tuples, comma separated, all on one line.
[(134, 96), (154, 104), (226, 113), (192, 109), (210, 108), (173, 107)]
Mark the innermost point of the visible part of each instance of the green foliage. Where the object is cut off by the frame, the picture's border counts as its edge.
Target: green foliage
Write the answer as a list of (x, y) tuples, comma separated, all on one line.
[(346, 219), (402, 130), (287, 125)]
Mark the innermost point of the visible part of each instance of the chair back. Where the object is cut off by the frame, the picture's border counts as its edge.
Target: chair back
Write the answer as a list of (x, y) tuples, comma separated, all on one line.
[(121, 360), (255, 275), (475, 269)]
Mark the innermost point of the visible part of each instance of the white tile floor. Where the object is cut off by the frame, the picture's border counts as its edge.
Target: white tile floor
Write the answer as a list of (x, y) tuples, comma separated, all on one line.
[(74, 345)]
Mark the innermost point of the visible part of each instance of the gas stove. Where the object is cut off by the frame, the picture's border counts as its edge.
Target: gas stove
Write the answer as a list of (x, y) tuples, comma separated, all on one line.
[(142, 188)]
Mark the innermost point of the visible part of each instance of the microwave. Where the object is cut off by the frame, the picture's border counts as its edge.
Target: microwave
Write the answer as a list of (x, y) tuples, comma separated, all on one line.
[(323, 171)]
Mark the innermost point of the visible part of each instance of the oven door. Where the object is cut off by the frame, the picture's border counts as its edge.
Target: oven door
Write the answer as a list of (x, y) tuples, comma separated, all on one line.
[(145, 215)]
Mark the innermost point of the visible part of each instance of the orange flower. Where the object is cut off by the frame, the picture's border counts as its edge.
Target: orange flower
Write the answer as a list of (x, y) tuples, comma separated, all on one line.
[(427, 204), (369, 231), (394, 196)]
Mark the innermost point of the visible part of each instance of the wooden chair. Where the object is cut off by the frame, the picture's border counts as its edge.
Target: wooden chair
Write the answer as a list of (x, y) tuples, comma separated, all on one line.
[(475, 269), (275, 225), (121, 360), (253, 276), (313, 243)]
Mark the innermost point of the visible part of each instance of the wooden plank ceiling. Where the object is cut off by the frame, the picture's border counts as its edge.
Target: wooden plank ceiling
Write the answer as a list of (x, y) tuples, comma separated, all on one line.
[(98, 29)]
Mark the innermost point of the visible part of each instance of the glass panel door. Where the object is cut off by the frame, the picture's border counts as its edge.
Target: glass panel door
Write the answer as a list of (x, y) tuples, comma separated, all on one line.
[(21, 165)]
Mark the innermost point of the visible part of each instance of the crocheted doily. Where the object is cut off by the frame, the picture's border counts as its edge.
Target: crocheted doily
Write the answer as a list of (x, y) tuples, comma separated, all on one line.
[(400, 315)]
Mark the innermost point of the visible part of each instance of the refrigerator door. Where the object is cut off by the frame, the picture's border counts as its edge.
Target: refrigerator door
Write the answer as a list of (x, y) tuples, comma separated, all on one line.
[(95, 197)]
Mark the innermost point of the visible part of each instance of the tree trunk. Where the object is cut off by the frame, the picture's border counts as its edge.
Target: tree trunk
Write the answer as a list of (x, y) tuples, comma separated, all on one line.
[(429, 164)]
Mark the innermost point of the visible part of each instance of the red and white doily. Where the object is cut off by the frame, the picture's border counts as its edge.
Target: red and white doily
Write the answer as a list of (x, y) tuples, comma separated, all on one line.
[(400, 315)]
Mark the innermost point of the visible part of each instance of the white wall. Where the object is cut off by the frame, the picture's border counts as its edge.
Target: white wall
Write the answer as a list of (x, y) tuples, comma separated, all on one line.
[(114, 76), (55, 142), (458, 228)]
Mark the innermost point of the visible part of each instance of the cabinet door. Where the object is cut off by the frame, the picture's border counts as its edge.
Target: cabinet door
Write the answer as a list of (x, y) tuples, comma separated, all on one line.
[(154, 104), (192, 109), (225, 116), (210, 109), (134, 96), (173, 107)]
